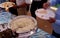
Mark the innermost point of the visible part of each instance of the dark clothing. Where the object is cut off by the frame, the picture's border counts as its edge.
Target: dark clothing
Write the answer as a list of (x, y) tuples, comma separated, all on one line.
[(28, 8), (56, 24), (56, 35), (36, 5), (13, 11)]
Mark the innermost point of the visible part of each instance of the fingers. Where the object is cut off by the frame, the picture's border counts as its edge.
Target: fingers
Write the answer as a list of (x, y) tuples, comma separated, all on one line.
[(52, 20), (46, 5)]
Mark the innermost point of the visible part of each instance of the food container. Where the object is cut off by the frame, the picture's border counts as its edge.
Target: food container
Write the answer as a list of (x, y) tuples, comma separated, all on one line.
[(42, 18), (46, 15), (28, 33)]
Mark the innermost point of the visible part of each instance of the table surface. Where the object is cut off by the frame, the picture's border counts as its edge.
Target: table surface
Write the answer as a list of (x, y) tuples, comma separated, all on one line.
[(41, 33)]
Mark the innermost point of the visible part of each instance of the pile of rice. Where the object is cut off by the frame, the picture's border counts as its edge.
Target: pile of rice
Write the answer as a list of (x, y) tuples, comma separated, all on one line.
[(22, 25)]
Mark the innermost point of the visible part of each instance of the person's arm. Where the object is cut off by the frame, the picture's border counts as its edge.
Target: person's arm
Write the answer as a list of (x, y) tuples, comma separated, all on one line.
[(45, 3)]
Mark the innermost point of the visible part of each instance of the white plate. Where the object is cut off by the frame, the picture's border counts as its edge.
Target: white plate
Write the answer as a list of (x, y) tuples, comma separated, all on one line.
[(46, 16)]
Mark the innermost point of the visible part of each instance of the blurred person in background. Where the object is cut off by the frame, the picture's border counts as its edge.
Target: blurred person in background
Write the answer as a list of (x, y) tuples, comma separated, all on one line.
[(56, 24), (37, 4), (58, 1), (28, 2), (53, 2), (2, 1), (23, 6)]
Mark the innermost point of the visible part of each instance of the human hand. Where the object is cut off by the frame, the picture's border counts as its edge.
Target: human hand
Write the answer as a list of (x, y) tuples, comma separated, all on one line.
[(52, 20), (46, 5)]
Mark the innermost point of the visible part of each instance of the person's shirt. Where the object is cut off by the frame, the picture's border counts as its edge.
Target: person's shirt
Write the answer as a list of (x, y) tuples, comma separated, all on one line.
[(53, 2), (36, 0), (20, 2), (41, 0), (56, 25), (58, 14), (1, 1), (58, 1)]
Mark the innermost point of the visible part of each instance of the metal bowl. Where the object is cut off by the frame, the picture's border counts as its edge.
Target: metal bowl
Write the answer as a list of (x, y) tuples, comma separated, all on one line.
[(28, 33)]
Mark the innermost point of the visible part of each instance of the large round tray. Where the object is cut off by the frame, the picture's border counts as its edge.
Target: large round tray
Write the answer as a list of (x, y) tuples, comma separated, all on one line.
[(25, 33)]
